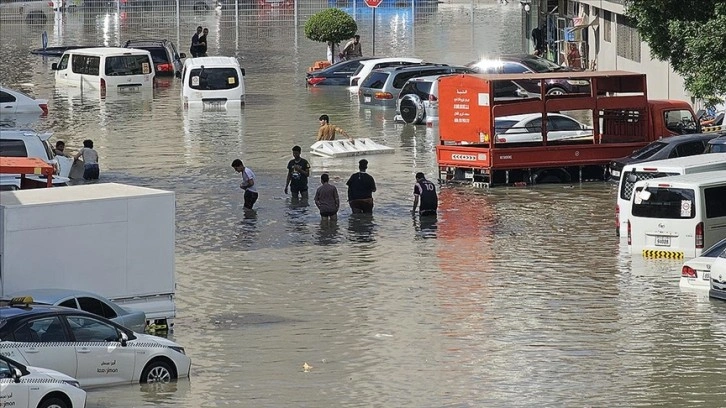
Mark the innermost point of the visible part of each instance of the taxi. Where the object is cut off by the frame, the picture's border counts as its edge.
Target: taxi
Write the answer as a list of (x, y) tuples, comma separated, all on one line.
[(33, 387), (90, 348)]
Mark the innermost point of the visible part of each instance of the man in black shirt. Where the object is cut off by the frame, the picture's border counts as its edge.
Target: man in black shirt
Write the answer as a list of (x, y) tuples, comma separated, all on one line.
[(425, 192), (361, 187), (298, 171)]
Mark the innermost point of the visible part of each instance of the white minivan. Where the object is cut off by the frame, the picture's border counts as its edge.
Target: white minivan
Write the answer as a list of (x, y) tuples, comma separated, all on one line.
[(106, 69), (678, 216), (633, 173), (213, 83)]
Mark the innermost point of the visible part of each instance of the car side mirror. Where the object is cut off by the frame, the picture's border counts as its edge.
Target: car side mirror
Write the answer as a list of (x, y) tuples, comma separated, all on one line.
[(54, 66), (17, 374), (124, 339), (182, 55), (243, 71)]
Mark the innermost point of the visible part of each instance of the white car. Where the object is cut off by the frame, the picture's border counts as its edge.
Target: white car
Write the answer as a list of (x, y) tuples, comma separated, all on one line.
[(367, 66), (528, 128), (28, 143), (34, 387), (213, 83), (92, 349), (19, 109), (696, 272)]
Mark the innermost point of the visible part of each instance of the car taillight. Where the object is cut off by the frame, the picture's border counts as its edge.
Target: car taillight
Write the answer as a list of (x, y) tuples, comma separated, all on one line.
[(630, 238), (433, 98), (699, 235), (315, 80), (383, 95), (164, 67), (688, 272), (103, 87), (44, 107)]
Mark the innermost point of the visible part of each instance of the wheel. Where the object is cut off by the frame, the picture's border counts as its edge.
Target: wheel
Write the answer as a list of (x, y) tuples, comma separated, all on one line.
[(36, 17), (53, 403), (157, 371), (556, 91), (551, 176), (412, 109)]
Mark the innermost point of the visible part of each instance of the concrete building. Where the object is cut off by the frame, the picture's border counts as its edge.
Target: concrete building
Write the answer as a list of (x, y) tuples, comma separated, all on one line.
[(603, 36)]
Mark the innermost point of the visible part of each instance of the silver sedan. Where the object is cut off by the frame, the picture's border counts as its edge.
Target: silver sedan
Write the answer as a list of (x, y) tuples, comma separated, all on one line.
[(89, 302)]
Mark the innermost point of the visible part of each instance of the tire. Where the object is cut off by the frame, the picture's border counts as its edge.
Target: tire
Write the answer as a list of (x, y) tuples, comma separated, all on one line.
[(412, 109), (157, 371), (551, 176), (53, 402), (556, 90), (36, 17)]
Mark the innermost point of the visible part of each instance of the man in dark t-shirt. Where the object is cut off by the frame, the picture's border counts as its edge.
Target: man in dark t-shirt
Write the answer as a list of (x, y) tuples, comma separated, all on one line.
[(361, 187), (425, 192), (298, 171)]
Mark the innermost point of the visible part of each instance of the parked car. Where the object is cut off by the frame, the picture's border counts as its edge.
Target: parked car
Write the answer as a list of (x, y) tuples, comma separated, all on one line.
[(366, 67), (528, 128), (526, 63), (34, 387), (382, 86), (717, 144), (31, 12), (336, 74), (19, 109), (718, 277), (94, 350), (665, 148), (696, 272), (29, 143), (167, 61), (90, 302), (213, 83)]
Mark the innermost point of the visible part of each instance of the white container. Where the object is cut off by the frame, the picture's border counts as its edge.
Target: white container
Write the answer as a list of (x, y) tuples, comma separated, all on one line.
[(632, 173), (213, 83), (678, 216), (112, 239), (106, 69)]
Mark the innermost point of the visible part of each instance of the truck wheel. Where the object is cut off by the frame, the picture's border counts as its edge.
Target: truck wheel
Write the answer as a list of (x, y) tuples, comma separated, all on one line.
[(556, 91), (157, 371), (412, 109), (550, 176), (53, 403)]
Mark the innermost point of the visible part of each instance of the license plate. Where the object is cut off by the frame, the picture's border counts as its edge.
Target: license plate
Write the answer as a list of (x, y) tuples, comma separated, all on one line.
[(129, 89), (367, 99), (214, 106), (707, 276), (662, 241)]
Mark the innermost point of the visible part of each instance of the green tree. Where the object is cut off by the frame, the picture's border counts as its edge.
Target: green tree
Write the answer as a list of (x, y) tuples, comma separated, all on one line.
[(691, 36), (330, 26)]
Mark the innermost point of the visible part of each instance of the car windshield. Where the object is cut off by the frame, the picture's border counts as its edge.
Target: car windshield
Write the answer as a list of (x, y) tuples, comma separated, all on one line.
[(501, 126), (664, 202), (541, 65), (648, 150), (212, 79)]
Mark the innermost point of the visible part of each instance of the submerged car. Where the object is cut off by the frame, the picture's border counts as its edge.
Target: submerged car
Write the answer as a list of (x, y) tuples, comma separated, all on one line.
[(34, 387), (167, 61), (336, 74), (696, 272), (528, 128), (94, 350), (90, 302), (29, 143)]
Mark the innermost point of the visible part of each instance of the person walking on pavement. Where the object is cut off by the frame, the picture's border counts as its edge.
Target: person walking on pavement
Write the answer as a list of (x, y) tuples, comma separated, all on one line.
[(361, 187), (327, 131), (424, 192), (327, 199), (248, 183), (194, 48), (298, 171), (353, 48)]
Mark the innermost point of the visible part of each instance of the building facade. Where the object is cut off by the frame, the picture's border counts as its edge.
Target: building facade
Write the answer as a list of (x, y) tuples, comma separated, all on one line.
[(604, 37)]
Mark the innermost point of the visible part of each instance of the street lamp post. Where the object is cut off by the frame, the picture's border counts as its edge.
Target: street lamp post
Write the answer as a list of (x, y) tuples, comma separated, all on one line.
[(526, 6)]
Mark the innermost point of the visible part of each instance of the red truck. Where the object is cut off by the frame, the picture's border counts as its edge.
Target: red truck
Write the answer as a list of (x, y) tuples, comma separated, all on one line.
[(476, 146)]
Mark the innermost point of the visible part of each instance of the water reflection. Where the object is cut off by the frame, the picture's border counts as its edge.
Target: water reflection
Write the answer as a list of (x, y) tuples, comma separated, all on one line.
[(361, 228), (328, 232)]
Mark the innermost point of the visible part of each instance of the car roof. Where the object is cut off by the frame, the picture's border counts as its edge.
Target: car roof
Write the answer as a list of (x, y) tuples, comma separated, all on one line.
[(23, 134), (428, 78), (720, 139), (52, 295), (211, 62), (684, 138), (393, 59), (528, 116), (146, 43), (9, 312), (697, 179), (106, 51)]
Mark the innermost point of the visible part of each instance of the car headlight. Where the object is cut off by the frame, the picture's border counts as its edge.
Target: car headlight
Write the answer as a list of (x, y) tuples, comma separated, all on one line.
[(73, 383), (577, 82), (177, 348)]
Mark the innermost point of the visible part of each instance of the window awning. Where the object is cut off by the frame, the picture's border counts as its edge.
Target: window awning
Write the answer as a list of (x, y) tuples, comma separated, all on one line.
[(594, 23)]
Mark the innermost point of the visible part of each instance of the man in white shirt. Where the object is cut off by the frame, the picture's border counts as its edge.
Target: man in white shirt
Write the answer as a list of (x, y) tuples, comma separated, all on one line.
[(248, 183)]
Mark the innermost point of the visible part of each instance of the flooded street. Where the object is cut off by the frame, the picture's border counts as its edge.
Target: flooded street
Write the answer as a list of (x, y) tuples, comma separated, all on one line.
[(514, 297)]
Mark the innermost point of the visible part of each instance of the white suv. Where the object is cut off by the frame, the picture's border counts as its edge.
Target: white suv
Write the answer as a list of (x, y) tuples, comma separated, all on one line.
[(418, 102), (28, 143)]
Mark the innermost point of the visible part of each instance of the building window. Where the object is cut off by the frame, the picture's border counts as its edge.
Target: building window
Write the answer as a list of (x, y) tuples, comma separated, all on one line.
[(607, 27), (628, 39)]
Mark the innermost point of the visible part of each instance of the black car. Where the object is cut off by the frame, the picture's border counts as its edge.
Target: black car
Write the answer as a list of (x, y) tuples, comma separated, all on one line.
[(167, 61), (336, 74), (526, 63), (665, 148), (717, 144)]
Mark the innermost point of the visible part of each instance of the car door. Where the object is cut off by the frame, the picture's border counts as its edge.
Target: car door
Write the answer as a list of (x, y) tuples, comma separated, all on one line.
[(102, 358), (688, 149), (12, 394), (44, 342), (8, 104)]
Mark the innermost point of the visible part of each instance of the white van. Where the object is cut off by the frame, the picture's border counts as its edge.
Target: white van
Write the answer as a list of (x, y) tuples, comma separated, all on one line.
[(213, 83), (107, 69), (633, 173), (678, 216)]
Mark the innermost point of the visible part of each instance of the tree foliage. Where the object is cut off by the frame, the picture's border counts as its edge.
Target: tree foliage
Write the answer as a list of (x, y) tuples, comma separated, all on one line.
[(330, 26), (691, 35)]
